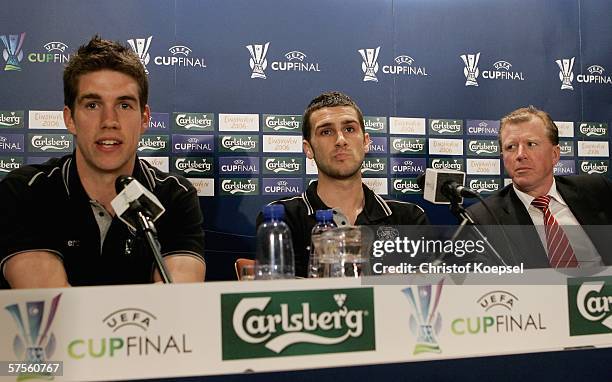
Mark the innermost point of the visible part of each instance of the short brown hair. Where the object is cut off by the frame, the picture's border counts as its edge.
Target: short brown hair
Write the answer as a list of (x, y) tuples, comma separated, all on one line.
[(328, 99), (99, 54), (525, 114)]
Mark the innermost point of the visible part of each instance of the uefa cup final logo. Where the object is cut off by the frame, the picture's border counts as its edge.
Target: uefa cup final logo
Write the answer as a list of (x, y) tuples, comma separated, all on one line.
[(141, 47), (370, 63), (12, 52), (425, 320), (471, 68), (566, 74), (34, 343), (258, 60)]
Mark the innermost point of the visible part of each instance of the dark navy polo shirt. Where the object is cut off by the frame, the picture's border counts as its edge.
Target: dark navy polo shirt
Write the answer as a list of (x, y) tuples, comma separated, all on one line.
[(45, 207), (300, 217)]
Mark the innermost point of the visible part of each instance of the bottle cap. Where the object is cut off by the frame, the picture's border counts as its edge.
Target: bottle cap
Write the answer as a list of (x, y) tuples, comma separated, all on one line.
[(274, 212), (324, 215)]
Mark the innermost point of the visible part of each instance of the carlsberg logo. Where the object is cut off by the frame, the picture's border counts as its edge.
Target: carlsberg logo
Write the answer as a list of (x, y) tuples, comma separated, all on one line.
[(11, 119), (188, 166), (442, 164), (566, 148), (484, 147), (373, 166), (483, 185), (282, 122), (238, 186), (9, 164), (593, 130), (376, 124), (194, 121), (282, 165), (259, 327), (302, 322), (590, 305), (237, 143), (443, 126), (589, 167), (403, 145), (49, 142), (152, 143), (405, 186)]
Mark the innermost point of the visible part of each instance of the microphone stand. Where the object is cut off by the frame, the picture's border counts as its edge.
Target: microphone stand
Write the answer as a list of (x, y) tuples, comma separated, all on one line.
[(148, 229), (461, 214)]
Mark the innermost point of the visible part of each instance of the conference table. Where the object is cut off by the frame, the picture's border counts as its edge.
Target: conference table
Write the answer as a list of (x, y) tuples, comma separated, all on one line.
[(544, 324)]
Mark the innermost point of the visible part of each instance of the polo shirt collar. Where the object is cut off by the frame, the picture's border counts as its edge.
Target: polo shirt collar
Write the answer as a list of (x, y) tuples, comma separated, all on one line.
[(75, 189), (375, 206)]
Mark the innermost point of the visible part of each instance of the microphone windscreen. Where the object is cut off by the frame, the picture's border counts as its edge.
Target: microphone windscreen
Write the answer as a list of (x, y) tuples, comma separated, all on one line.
[(121, 182), (132, 198), (435, 179)]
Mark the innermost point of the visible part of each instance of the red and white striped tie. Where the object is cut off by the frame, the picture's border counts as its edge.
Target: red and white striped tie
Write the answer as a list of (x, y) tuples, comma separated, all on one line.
[(560, 252)]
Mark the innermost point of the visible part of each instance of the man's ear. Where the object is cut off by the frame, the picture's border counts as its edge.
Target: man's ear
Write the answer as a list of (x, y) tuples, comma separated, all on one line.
[(307, 149), (556, 154), (146, 117), (366, 142), (68, 121)]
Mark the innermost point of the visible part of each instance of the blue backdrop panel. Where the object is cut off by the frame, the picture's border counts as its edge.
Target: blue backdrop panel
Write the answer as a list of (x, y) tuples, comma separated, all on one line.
[(418, 73)]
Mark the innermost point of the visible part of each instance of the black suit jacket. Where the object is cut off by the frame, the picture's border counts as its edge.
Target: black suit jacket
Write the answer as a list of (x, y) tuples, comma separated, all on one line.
[(589, 197)]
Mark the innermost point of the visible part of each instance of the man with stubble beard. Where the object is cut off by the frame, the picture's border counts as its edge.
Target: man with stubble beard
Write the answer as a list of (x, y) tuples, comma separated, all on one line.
[(335, 138)]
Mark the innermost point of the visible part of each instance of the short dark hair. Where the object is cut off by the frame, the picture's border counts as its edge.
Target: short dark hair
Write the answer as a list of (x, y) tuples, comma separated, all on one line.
[(99, 54), (328, 99), (525, 114)]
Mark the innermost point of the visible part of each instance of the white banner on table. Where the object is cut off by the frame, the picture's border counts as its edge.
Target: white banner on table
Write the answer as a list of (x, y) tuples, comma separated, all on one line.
[(157, 331)]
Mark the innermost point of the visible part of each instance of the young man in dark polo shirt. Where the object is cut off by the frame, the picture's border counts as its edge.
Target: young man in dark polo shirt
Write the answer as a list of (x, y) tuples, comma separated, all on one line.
[(58, 227), (335, 137)]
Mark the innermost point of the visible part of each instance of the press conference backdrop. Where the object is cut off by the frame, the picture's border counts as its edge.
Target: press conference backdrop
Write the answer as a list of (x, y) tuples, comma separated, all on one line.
[(230, 79)]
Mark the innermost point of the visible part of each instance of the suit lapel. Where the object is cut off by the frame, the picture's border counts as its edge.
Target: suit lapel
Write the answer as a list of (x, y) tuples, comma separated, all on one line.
[(527, 246), (585, 211), (577, 203), (515, 210)]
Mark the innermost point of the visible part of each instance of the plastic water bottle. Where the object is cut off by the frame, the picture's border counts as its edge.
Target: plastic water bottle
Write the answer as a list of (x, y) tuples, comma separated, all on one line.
[(274, 246), (317, 267)]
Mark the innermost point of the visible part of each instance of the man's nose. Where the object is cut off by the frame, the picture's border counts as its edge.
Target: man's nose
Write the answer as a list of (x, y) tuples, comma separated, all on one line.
[(340, 139), (110, 118), (521, 152)]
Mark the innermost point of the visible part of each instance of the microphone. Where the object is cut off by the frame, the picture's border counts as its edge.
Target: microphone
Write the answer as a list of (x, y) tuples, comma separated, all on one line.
[(447, 187), (133, 198), (139, 208), (452, 189), (444, 186)]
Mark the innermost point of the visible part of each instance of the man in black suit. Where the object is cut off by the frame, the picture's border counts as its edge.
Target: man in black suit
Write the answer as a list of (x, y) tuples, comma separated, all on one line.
[(569, 212)]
